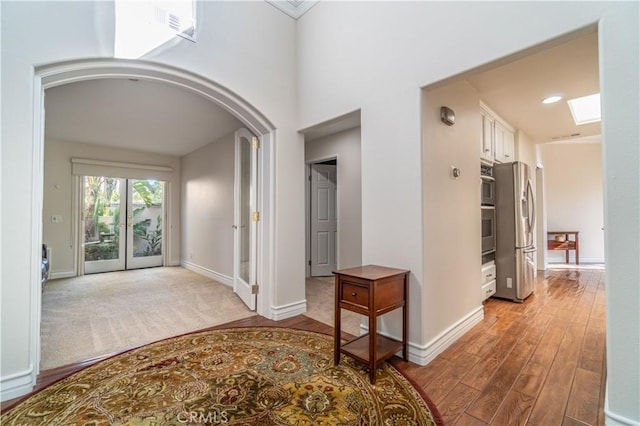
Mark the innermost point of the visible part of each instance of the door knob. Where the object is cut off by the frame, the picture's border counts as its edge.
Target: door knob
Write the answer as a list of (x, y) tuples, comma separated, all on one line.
[(234, 226)]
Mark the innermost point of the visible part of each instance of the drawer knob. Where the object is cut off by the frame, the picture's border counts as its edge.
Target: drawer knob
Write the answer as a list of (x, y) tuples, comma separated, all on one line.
[(353, 294)]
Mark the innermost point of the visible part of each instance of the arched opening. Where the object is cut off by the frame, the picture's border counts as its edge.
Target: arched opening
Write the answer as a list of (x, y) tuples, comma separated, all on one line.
[(59, 74)]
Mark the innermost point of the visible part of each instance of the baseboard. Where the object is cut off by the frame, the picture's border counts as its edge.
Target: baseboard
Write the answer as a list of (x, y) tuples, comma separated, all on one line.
[(424, 354), (174, 263), (287, 311), (62, 274), (572, 259), (16, 385), (613, 419), (221, 278)]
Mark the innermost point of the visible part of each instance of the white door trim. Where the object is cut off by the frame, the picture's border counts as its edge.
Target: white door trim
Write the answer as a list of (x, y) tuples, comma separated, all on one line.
[(58, 74)]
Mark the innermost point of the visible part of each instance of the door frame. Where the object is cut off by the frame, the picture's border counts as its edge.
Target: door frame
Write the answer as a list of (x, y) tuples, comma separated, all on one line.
[(61, 73), (78, 207), (307, 209)]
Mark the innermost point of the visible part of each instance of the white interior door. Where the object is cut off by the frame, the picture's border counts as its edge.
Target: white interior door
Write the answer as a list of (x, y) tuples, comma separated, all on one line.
[(324, 223), (246, 217)]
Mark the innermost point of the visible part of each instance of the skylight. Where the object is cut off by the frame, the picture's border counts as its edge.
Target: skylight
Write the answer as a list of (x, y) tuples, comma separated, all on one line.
[(142, 26), (585, 109)]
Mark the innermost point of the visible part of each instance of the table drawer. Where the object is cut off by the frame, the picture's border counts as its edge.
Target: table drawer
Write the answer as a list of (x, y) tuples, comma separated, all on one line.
[(355, 294)]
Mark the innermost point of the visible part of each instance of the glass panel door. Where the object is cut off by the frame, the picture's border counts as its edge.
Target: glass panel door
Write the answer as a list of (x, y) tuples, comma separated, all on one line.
[(122, 223), (246, 183), (144, 223), (103, 224)]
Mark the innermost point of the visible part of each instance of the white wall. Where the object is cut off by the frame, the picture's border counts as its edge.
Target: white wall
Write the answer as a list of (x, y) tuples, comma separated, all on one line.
[(374, 56), (345, 146), (247, 47), (573, 188), (619, 44), (58, 193), (207, 207), (451, 207)]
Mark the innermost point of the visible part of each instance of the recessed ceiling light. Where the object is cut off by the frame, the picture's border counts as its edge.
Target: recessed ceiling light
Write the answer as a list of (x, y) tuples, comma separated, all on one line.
[(551, 99), (585, 109)]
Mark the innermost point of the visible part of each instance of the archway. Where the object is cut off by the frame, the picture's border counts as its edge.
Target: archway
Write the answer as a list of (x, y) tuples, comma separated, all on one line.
[(75, 71)]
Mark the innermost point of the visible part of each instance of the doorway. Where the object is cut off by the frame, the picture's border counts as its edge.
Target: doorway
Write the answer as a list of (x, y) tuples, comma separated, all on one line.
[(122, 223), (89, 69)]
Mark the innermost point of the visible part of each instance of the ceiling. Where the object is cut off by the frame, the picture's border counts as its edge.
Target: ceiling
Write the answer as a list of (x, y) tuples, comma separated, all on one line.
[(293, 8), (135, 114), (515, 90), (156, 117)]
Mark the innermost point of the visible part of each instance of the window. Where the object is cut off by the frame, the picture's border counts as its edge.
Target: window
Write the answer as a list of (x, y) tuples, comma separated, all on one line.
[(585, 109), (142, 26)]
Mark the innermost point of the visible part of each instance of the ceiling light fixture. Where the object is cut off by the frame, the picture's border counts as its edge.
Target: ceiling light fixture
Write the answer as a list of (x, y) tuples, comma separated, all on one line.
[(551, 99)]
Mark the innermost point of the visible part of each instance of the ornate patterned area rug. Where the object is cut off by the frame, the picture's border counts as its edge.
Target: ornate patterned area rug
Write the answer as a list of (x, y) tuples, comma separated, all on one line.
[(239, 376)]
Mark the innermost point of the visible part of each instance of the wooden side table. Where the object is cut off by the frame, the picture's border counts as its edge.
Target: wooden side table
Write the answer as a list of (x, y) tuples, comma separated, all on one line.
[(372, 291), (566, 244)]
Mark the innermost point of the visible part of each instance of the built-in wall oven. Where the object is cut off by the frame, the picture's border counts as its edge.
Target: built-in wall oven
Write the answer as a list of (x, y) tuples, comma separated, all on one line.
[(488, 188), (488, 229), (488, 209)]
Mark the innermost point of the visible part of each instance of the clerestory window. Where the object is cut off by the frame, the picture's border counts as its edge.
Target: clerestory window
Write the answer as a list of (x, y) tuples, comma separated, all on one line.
[(142, 26)]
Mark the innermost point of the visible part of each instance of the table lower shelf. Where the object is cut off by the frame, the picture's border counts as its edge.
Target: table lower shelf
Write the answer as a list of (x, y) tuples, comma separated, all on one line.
[(359, 348)]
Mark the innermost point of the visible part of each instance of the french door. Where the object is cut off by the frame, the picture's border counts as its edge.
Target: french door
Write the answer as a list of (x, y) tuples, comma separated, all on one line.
[(122, 223), (246, 217)]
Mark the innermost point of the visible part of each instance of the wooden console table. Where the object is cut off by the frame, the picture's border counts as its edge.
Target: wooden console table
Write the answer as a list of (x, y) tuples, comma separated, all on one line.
[(372, 291), (566, 245)]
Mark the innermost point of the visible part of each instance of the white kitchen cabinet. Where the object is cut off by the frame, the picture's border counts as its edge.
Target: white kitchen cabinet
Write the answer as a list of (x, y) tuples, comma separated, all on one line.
[(487, 146), (488, 280), (504, 141), (488, 290), (497, 142)]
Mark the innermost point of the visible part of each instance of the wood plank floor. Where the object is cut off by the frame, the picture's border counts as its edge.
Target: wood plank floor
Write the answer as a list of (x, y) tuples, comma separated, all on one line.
[(541, 362)]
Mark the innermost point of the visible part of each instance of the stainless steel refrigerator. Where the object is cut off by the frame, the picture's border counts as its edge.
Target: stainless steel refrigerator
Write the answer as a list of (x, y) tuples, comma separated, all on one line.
[(515, 221)]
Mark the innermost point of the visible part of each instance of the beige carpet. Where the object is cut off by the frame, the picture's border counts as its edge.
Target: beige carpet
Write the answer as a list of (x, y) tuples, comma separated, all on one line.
[(320, 305), (99, 314)]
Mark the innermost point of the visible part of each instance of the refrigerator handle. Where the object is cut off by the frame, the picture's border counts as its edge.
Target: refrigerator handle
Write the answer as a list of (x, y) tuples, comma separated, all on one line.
[(532, 218)]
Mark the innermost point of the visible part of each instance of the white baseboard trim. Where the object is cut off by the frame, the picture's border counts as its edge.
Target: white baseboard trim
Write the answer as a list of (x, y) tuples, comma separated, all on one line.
[(221, 278), (16, 384), (424, 354), (287, 311), (552, 260), (62, 274), (613, 419), (174, 263)]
